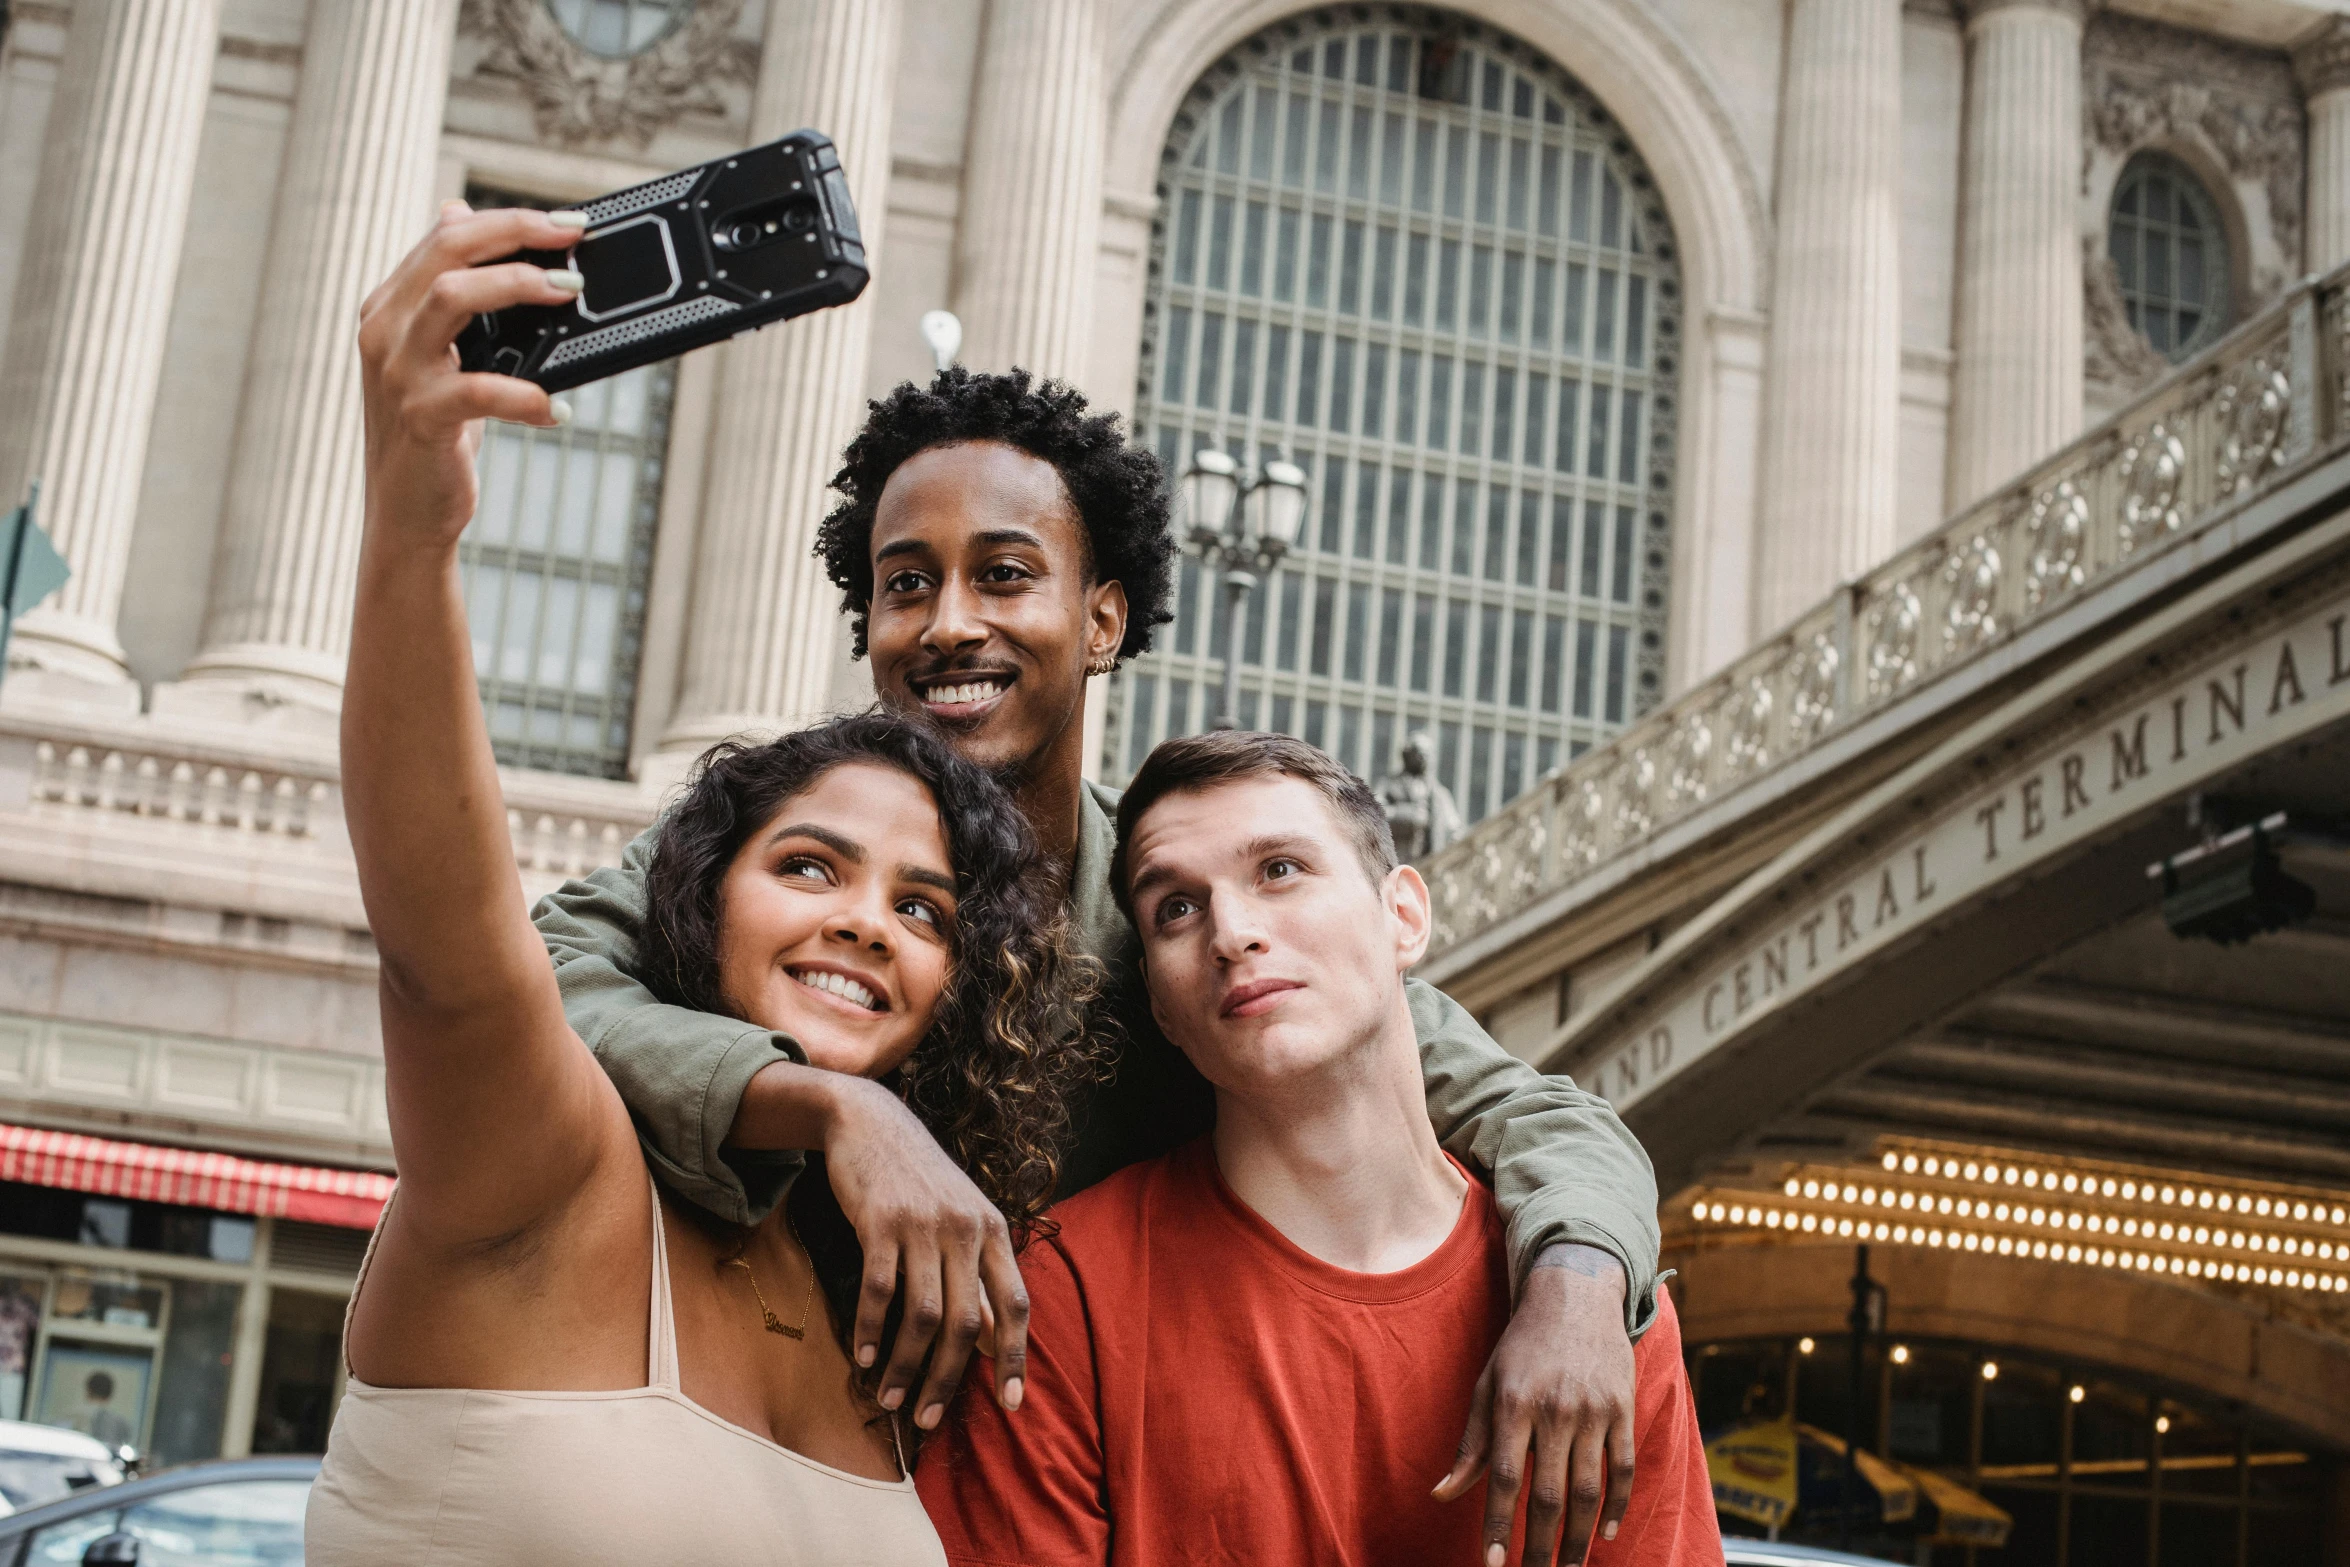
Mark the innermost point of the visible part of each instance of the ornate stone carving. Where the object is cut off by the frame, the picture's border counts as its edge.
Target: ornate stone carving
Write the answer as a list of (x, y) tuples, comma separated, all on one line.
[(1812, 708), (2322, 62), (2254, 405), (1687, 747), (1970, 578), (1895, 621), (2058, 528), (1636, 796), (1523, 853), (1582, 807), (2156, 85), (2118, 353), (2151, 469), (1748, 748), (579, 97)]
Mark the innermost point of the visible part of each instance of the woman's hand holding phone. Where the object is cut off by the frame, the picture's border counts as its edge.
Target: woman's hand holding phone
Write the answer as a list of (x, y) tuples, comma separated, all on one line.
[(424, 413)]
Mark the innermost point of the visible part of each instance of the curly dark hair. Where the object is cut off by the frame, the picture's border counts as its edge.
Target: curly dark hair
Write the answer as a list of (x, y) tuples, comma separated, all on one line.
[(1119, 491), (1010, 1047)]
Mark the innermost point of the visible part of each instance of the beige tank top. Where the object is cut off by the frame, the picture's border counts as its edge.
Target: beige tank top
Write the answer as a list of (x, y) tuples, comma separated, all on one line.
[(467, 1478)]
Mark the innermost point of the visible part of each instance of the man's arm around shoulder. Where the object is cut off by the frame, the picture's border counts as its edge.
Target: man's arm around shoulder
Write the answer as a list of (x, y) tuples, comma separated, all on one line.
[(1566, 1170), (682, 1073)]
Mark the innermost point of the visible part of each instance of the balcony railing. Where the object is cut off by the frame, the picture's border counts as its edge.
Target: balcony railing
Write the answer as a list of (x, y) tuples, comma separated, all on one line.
[(2222, 429)]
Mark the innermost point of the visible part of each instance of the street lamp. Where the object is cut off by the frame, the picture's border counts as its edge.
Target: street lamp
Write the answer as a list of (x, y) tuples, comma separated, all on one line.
[(1243, 523)]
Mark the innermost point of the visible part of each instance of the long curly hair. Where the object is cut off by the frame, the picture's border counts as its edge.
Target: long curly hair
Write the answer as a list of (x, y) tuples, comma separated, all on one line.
[(1010, 1046), (1119, 490)]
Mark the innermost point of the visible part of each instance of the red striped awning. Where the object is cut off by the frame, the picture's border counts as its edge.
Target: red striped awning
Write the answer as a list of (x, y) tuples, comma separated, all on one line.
[(150, 1173)]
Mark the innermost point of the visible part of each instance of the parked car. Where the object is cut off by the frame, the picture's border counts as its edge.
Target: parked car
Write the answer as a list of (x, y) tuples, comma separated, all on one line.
[(42, 1463), (238, 1512)]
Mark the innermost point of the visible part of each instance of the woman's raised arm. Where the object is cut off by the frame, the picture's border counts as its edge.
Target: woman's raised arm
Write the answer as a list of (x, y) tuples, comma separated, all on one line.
[(498, 1112)]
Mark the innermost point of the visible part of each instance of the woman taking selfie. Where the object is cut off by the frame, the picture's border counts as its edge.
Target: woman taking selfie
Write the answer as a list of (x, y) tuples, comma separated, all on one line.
[(548, 1360)]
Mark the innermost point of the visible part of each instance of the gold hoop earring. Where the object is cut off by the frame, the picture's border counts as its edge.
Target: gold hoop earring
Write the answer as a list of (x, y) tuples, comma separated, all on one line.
[(1102, 665)]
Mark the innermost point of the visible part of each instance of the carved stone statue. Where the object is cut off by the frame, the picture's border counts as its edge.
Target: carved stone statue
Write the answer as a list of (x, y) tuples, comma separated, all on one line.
[(1420, 810)]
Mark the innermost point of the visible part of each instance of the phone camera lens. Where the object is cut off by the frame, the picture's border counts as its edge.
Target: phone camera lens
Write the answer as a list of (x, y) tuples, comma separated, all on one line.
[(742, 235), (799, 217)]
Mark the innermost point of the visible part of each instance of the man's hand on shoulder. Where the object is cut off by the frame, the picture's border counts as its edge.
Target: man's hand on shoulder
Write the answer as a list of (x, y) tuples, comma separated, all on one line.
[(918, 1218), (1553, 1410)]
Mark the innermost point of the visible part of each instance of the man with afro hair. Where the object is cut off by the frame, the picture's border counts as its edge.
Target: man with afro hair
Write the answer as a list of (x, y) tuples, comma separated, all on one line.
[(996, 545)]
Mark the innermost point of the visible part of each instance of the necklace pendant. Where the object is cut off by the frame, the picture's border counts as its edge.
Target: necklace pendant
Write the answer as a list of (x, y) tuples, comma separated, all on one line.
[(774, 1326)]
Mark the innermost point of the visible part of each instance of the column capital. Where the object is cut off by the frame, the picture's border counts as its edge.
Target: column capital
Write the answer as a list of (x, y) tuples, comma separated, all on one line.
[(1977, 10), (2322, 60)]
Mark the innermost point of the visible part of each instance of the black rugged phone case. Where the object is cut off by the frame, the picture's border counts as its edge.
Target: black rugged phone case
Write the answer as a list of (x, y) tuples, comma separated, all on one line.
[(687, 259)]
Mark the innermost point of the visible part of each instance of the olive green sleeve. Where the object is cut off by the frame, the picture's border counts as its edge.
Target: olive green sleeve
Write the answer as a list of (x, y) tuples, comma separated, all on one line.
[(682, 1073), (1565, 1167)]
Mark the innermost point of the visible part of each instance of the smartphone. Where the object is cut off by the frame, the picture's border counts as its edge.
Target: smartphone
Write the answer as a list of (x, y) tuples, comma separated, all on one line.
[(688, 259)]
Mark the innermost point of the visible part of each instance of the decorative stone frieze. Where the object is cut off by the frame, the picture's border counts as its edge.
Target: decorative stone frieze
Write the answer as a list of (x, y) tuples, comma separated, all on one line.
[(2223, 431), (2234, 115), (579, 97)]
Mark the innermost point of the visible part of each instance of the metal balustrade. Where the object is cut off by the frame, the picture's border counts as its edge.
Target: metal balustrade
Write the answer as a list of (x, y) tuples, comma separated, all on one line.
[(2226, 427)]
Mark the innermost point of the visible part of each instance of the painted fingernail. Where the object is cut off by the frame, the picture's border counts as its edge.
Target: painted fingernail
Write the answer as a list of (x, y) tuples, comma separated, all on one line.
[(568, 220), (559, 409), (864, 1354), (929, 1416), (894, 1397), (1608, 1533), (1496, 1554), (1013, 1388), (564, 278)]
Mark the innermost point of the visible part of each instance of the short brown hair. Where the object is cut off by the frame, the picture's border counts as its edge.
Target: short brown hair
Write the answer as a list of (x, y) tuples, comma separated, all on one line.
[(1202, 761)]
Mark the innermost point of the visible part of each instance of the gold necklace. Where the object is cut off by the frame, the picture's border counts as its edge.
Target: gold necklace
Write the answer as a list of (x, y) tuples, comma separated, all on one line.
[(774, 1325)]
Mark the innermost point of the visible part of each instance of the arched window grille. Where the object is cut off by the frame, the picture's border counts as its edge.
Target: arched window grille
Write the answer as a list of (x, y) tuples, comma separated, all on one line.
[(1419, 260), (2167, 244), (617, 29)]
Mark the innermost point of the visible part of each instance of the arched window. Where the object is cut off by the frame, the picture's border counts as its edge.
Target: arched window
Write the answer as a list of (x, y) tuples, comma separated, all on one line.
[(2165, 238), (1428, 268), (617, 29)]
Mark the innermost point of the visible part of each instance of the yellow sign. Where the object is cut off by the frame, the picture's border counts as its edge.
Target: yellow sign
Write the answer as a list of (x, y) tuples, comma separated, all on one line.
[(1753, 1471), (1963, 1518)]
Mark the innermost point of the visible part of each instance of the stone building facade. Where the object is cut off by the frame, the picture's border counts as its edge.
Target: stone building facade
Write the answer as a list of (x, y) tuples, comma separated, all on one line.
[(1617, 337)]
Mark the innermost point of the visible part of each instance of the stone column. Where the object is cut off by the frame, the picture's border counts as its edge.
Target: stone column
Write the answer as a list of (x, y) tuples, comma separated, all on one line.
[(355, 195), (1832, 395), (765, 624), (1030, 225), (77, 395), (2323, 63), (2015, 392)]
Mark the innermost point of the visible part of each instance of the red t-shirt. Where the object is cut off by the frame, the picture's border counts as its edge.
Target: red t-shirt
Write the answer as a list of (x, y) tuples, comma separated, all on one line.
[(1201, 1390)]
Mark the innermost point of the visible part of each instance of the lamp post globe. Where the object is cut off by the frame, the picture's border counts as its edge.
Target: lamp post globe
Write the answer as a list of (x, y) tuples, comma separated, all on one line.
[(1242, 523)]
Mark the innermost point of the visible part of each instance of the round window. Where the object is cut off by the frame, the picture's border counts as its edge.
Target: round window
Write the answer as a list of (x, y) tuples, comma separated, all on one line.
[(617, 29), (2167, 245)]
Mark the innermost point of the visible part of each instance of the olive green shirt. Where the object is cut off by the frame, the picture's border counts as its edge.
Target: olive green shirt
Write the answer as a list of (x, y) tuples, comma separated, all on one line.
[(1563, 1167)]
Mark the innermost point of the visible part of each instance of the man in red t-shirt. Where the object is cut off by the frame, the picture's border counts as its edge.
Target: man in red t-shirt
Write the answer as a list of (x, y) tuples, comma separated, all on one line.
[(1247, 1351)]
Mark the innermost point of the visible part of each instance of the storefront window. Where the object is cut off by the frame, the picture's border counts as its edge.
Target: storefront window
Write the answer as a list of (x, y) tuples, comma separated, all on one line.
[(299, 1372), (119, 1319)]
